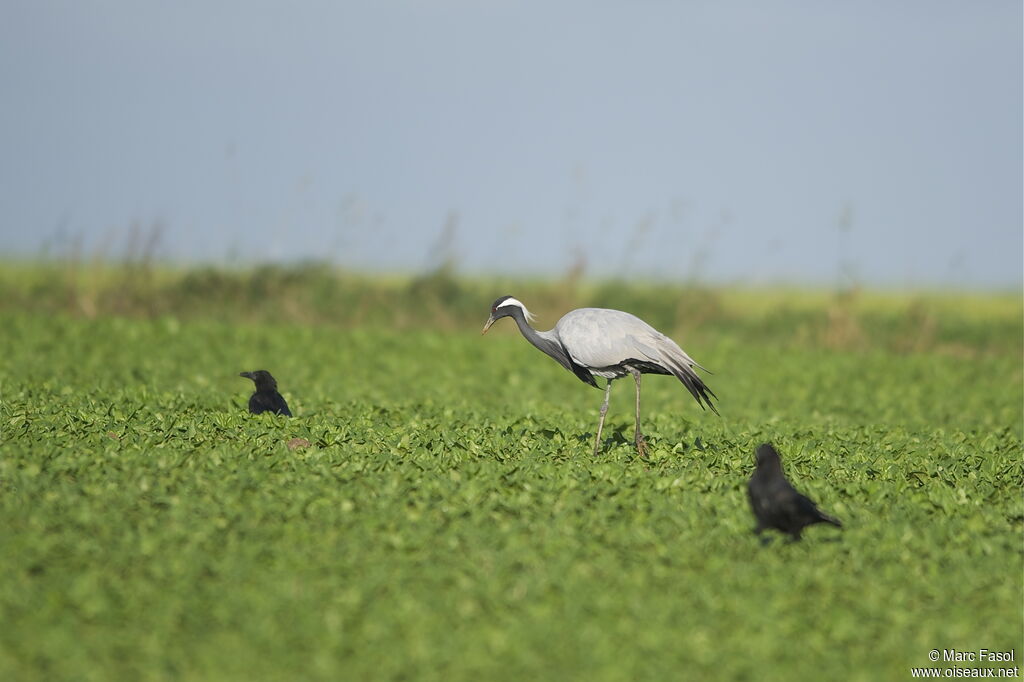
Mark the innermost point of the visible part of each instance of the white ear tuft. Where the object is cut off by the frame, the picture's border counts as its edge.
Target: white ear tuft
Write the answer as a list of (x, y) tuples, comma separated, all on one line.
[(530, 317)]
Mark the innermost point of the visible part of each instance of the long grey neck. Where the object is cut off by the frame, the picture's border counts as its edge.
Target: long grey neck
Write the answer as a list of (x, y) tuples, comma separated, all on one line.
[(544, 341)]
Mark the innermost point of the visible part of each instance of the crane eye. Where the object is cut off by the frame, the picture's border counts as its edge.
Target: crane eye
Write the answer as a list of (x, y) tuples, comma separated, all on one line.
[(494, 309)]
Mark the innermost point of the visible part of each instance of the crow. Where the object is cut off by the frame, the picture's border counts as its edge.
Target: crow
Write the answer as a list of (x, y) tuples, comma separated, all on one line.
[(266, 398), (776, 503)]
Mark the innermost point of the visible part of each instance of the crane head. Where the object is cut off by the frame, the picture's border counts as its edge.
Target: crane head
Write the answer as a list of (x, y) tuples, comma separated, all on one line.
[(506, 306)]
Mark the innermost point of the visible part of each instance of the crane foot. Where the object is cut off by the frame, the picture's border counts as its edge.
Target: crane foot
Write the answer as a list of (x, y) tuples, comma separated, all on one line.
[(641, 445)]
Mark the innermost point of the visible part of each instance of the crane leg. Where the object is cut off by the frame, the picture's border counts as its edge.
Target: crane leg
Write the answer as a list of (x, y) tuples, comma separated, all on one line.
[(604, 411), (638, 439)]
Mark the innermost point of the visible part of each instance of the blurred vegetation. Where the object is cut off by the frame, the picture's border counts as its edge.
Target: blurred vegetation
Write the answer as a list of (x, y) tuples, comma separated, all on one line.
[(434, 511), (962, 324)]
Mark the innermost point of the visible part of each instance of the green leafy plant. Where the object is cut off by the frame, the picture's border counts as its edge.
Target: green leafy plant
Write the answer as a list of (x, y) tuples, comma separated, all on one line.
[(434, 512)]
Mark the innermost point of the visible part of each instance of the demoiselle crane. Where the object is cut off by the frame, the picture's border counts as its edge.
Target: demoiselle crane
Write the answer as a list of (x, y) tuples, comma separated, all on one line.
[(598, 342)]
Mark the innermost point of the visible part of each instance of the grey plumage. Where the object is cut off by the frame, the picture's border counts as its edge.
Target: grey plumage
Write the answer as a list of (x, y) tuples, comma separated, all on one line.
[(776, 503), (611, 344)]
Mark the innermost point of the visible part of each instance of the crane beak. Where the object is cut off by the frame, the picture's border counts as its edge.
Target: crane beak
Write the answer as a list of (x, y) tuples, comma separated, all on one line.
[(490, 321)]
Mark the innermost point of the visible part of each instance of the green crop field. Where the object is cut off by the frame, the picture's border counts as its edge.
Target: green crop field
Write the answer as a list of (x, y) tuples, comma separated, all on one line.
[(434, 511)]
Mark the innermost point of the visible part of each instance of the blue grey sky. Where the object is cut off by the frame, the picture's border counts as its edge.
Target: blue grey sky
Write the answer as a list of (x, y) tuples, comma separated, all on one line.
[(738, 142)]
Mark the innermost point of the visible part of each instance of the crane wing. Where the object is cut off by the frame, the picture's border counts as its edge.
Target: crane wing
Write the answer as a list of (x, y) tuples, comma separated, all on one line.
[(598, 338)]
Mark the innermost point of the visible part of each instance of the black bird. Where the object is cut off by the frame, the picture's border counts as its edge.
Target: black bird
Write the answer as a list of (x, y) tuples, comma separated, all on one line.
[(776, 503), (266, 398)]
